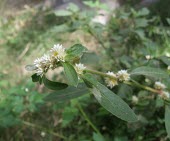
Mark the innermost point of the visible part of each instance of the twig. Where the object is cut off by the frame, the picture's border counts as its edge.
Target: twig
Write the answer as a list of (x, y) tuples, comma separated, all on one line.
[(24, 52), (99, 40), (87, 119), (133, 83), (42, 128)]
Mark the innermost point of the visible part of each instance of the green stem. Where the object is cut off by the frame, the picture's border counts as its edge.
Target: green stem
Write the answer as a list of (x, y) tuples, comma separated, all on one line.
[(133, 83), (92, 33), (87, 119), (42, 128), (99, 73)]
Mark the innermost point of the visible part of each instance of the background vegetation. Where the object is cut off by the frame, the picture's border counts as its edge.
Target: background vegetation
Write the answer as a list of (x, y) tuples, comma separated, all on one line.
[(125, 42)]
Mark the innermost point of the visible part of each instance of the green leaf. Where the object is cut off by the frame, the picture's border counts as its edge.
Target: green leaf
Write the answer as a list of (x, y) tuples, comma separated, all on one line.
[(167, 121), (60, 28), (168, 20), (140, 33), (35, 78), (68, 115), (62, 13), (165, 60), (98, 137), (143, 12), (73, 7), (71, 74), (125, 91), (148, 71), (67, 94), (109, 100), (74, 52), (54, 85), (141, 22), (90, 59)]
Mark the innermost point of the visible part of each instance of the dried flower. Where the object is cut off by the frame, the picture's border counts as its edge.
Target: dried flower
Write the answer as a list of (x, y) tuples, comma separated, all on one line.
[(122, 75), (111, 82), (158, 85)]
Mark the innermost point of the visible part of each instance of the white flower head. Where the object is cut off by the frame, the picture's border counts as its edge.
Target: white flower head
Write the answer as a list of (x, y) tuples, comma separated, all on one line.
[(43, 134), (168, 68), (58, 52), (26, 90), (135, 99), (40, 71), (111, 82), (45, 59), (123, 75), (79, 68), (167, 54), (42, 64), (165, 95), (37, 62), (158, 85), (148, 57)]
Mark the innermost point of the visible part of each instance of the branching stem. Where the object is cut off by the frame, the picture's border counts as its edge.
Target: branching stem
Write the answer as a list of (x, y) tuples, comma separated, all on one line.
[(132, 82), (99, 73)]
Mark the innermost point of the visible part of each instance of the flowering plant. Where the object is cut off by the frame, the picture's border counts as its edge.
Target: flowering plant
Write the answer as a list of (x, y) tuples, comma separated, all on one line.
[(82, 79)]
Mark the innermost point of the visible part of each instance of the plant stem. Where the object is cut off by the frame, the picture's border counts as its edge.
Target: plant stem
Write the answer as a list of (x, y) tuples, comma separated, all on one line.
[(42, 128), (141, 86), (99, 73), (87, 119), (99, 40), (133, 83)]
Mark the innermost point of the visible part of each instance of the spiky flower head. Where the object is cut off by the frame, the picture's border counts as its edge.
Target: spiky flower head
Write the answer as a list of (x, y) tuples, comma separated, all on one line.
[(158, 85), (168, 68), (111, 82), (135, 99), (165, 95), (148, 57), (79, 68), (58, 52), (123, 75), (42, 64)]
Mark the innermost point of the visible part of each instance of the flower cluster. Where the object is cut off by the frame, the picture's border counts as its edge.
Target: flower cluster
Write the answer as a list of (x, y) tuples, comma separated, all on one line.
[(135, 99), (79, 68), (112, 79), (159, 86), (58, 52), (48, 61), (123, 75), (165, 95), (168, 68)]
